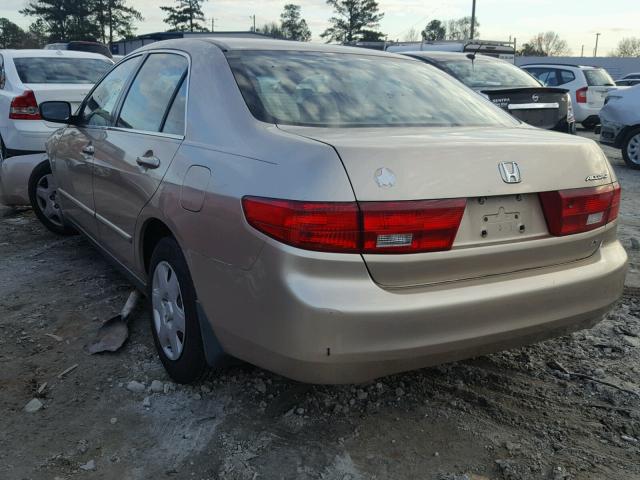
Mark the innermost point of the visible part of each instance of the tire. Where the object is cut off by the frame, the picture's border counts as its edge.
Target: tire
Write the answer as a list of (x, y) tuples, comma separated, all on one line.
[(42, 195), (588, 125), (631, 149), (3, 150), (174, 316)]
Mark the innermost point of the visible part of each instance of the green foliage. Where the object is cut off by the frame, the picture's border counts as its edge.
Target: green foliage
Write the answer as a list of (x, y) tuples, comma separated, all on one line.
[(185, 16), (352, 19), (272, 29), (460, 29), (64, 20), (293, 26), (435, 30)]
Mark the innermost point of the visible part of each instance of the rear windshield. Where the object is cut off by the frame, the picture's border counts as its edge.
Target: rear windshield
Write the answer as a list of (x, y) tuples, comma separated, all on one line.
[(598, 77), (350, 90), (60, 70), (487, 74)]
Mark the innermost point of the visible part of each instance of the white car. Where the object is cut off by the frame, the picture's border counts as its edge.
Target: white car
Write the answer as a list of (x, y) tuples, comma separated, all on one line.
[(589, 87), (620, 119), (29, 77)]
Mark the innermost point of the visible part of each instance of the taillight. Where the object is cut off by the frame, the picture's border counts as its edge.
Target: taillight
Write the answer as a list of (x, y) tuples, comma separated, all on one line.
[(351, 227), (580, 209), (24, 107), (411, 226), (581, 95)]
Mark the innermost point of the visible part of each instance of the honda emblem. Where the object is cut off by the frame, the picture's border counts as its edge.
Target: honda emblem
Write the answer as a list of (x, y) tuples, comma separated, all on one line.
[(509, 172)]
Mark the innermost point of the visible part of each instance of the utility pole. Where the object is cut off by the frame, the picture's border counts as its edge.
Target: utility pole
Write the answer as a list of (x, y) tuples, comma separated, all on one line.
[(213, 24), (582, 51), (473, 19), (253, 17), (595, 50)]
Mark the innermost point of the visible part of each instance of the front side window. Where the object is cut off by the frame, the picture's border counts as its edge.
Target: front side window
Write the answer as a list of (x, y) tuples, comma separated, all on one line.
[(61, 70), (99, 106), (351, 90), (151, 92)]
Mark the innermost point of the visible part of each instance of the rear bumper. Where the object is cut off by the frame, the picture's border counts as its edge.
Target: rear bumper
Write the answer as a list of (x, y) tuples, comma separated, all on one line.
[(320, 321), (14, 178), (26, 136), (612, 133)]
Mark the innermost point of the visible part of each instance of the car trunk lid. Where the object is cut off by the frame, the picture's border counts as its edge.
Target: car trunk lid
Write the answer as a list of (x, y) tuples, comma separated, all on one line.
[(542, 107), (48, 92), (394, 164)]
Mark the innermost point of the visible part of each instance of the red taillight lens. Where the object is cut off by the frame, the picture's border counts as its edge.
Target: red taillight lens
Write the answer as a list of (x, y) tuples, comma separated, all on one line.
[(581, 95), (411, 226), (320, 226), (24, 107), (349, 227), (580, 209)]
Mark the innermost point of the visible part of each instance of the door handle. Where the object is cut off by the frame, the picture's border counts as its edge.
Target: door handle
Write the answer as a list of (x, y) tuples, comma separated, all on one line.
[(148, 160), (89, 149)]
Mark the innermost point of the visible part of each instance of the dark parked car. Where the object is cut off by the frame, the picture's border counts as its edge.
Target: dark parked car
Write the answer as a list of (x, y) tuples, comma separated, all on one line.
[(508, 87), (81, 46)]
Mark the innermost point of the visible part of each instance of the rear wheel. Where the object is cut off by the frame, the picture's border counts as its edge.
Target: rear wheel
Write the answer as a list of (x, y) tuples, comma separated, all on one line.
[(631, 149), (3, 150), (174, 315), (43, 197)]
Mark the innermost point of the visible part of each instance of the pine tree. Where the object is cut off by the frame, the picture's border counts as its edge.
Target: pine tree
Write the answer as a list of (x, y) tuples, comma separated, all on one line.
[(294, 27), (186, 16), (115, 18), (353, 20), (65, 20)]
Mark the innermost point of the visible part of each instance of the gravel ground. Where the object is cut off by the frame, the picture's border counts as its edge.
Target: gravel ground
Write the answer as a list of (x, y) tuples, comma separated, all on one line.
[(511, 415)]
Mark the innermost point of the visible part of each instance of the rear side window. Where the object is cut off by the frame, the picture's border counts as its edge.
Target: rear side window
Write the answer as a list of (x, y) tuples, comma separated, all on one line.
[(565, 76), (99, 106), (174, 123), (60, 70), (598, 77), (151, 92)]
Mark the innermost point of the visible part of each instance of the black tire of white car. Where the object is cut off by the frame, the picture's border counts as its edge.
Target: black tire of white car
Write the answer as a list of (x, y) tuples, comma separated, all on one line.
[(57, 225), (191, 365), (631, 163)]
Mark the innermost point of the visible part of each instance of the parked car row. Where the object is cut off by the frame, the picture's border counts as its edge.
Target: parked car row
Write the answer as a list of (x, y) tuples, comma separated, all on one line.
[(332, 214)]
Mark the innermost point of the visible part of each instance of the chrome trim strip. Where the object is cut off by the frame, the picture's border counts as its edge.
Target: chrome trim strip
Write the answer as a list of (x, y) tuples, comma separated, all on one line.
[(113, 227), (145, 132), (532, 106), (76, 202)]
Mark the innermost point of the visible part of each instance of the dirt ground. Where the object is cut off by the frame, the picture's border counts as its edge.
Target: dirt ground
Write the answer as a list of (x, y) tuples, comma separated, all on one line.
[(511, 415)]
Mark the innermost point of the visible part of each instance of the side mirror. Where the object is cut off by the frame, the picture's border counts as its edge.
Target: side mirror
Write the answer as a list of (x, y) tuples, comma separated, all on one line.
[(57, 112)]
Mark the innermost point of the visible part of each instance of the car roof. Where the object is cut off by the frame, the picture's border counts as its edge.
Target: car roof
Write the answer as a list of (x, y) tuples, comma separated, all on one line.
[(452, 56), (34, 52), (230, 44), (586, 67)]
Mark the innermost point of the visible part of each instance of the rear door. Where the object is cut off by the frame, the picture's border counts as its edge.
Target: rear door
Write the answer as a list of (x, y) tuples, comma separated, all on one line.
[(133, 157)]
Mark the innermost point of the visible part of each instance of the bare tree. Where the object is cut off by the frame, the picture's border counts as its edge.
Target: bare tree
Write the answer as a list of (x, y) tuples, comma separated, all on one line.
[(412, 35), (628, 47), (549, 44)]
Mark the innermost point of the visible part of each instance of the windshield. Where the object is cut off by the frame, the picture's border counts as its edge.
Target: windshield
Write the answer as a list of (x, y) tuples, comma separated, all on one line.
[(60, 70), (598, 77), (487, 74), (350, 90)]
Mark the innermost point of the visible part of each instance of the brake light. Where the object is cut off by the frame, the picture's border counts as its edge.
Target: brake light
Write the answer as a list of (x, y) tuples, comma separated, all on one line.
[(581, 95), (580, 209), (349, 227), (411, 226), (24, 107)]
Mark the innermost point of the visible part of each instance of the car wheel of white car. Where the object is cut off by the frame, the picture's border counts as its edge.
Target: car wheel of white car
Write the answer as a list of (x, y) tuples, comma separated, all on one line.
[(631, 149), (174, 314), (44, 201)]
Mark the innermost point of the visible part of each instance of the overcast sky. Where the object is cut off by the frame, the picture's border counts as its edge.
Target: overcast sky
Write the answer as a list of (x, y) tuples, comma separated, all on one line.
[(577, 21)]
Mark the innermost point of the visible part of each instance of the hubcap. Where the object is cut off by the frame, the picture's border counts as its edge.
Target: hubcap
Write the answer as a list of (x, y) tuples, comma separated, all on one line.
[(633, 148), (46, 198), (168, 310)]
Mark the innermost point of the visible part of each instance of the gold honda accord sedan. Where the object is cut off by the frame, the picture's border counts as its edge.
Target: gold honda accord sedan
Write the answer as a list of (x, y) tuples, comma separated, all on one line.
[(332, 214)]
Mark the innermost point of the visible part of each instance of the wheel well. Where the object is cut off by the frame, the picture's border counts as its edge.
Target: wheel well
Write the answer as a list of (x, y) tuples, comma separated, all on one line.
[(154, 231)]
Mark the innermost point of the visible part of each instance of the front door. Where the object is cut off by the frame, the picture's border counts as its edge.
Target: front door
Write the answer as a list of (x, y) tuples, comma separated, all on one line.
[(138, 149), (73, 161)]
